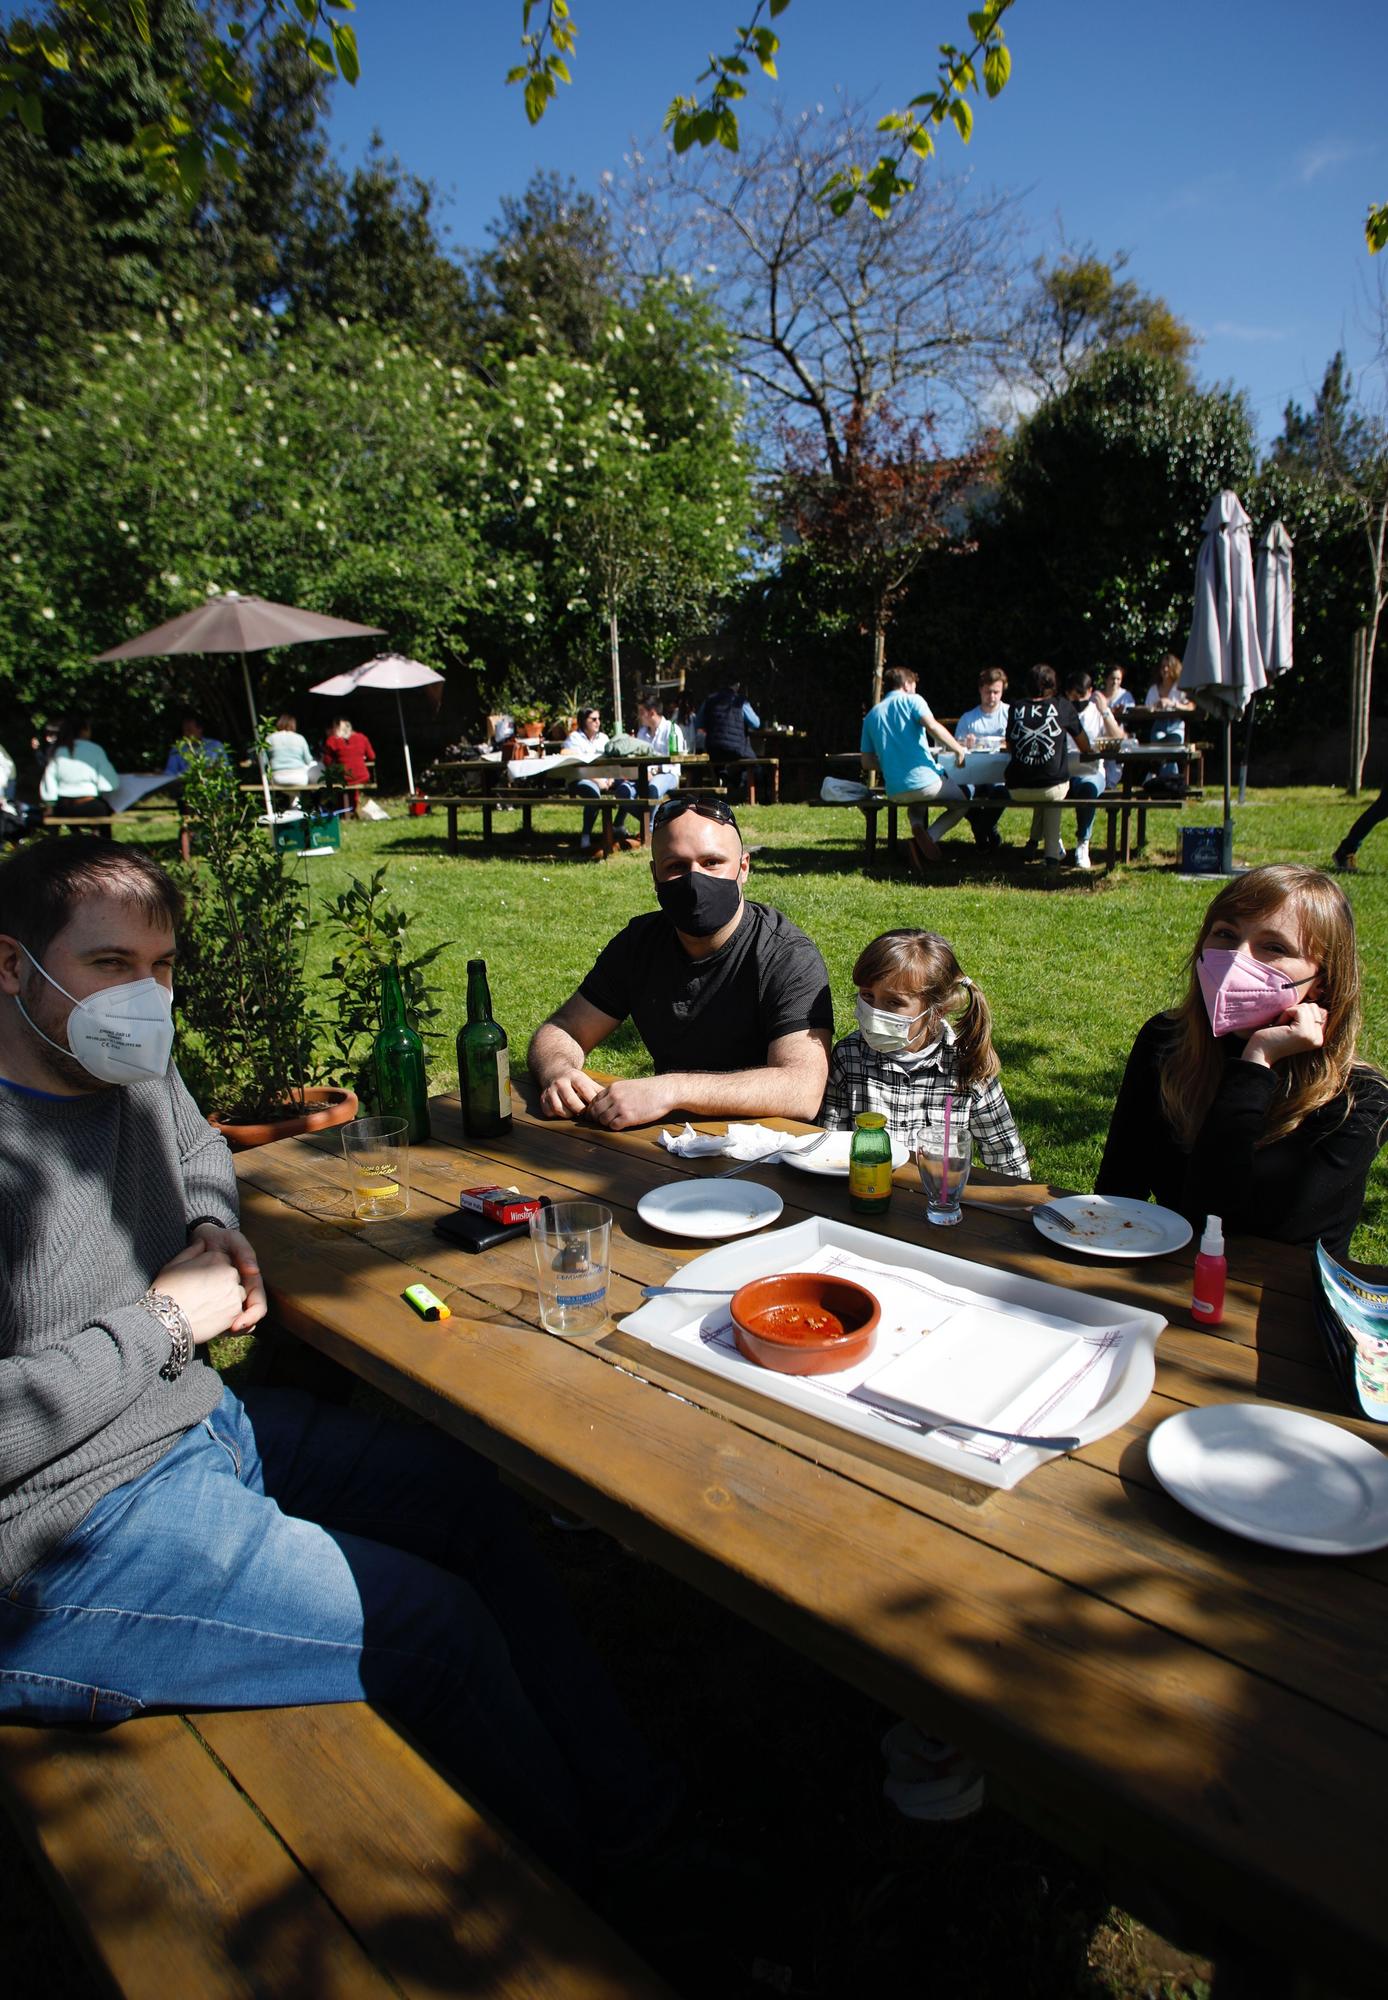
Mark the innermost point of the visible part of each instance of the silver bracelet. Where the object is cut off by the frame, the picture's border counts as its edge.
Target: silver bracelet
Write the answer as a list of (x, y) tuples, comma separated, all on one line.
[(177, 1325)]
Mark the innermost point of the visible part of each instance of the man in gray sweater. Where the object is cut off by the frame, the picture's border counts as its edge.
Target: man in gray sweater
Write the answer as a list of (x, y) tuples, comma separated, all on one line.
[(164, 1545)]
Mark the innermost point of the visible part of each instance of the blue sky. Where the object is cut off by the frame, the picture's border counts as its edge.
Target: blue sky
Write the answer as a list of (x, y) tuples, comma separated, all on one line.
[(1231, 151)]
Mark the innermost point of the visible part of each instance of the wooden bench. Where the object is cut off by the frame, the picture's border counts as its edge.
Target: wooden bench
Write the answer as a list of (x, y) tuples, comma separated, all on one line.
[(488, 804), (285, 1853), (1118, 809)]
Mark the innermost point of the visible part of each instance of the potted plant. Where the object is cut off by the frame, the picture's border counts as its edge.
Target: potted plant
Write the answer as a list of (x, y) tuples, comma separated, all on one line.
[(530, 721), (247, 1026)]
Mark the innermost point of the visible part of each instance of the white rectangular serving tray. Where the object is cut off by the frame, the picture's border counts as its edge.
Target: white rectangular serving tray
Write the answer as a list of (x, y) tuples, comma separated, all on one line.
[(674, 1326)]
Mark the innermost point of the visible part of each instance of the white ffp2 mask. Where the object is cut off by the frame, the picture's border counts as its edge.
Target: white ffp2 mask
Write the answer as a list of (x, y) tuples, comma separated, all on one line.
[(123, 1034)]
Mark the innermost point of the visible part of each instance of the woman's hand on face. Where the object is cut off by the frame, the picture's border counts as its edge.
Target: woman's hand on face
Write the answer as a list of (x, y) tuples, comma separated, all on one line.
[(1298, 1031)]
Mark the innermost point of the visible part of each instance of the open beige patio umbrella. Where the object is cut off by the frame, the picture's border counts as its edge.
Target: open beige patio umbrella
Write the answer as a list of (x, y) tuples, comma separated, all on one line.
[(391, 671), (230, 623)]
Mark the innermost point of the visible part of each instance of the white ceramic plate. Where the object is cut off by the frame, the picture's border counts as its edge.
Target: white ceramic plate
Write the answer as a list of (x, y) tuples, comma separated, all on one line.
[(1276, 1476), (705, 1210), (832, 1156), (1115, 1225)]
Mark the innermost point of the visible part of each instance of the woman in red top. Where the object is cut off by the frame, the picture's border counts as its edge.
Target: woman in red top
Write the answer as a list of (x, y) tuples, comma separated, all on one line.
[(347, 754)]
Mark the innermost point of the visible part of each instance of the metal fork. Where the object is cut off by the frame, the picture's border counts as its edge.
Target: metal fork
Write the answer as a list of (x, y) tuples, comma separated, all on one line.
[(1057, 1216), (770, 1159)]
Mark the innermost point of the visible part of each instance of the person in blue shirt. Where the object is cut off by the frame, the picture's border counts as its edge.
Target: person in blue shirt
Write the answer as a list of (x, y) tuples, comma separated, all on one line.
[(896, 738), (191, 730)]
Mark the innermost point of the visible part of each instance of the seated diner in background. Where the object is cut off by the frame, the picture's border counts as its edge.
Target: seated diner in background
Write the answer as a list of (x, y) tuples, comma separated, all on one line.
[(730, 998), (78, 772), (1248, 1100), (896, 738), (1041, 729), (588, 740), (666, 739), (291, 762), (190, 730), (347, 759), (1169, 709), (984, 727)]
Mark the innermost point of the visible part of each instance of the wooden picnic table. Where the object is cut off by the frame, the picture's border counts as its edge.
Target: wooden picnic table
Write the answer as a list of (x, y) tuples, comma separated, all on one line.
[(1138, 1684)]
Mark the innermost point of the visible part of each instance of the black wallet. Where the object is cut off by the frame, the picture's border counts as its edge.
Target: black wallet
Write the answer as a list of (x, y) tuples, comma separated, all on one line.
[(471, 1230)]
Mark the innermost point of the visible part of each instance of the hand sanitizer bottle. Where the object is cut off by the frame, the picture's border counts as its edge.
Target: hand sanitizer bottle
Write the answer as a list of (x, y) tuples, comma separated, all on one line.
[(1207, 1297)]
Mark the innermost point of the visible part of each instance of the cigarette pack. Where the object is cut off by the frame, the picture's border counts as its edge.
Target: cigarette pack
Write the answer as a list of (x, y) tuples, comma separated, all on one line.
[(500, 1204)]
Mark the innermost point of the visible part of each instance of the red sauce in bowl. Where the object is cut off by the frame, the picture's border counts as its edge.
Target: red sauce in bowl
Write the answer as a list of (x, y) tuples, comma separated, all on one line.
[(812, 1324)]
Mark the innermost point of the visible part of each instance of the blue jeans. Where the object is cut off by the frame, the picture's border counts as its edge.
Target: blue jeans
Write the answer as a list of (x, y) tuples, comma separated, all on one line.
[(659, 786), (287, 1552), (589, 788), (1085, 788), (1167, 729), (1365, 824)]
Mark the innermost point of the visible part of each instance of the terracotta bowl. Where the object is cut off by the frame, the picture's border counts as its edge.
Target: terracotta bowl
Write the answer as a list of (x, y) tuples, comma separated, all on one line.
[(769, 1322)]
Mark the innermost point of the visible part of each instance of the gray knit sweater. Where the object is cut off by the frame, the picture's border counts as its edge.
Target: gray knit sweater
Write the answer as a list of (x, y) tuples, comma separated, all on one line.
[(96, 1195)]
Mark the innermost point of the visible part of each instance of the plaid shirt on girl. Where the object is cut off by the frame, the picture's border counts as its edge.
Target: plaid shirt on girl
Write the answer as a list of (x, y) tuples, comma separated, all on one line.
[(862, 1080)]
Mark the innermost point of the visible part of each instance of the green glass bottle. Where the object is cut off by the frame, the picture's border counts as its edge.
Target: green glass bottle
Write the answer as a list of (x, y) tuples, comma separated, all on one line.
[(870, 1165), (484, 1066), (402, 1088)]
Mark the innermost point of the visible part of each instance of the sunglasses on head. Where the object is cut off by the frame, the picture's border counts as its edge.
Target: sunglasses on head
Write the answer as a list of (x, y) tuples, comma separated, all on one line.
[(670, 809)]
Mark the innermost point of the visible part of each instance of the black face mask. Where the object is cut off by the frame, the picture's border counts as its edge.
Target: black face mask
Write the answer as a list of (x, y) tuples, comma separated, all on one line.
[(699, 904)]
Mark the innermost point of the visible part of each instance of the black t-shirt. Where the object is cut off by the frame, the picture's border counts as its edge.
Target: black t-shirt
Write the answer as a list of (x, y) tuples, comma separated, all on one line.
[(1306, 1186), (1038, 733), (717, 1013)]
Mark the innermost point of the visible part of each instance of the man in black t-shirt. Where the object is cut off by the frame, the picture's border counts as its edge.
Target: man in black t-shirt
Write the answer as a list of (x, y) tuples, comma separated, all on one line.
[(730, 998)]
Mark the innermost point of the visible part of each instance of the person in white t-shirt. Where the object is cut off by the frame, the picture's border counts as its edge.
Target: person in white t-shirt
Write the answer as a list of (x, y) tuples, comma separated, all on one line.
[(666, 739), (1087, 772), (985, 728), (587, 739)]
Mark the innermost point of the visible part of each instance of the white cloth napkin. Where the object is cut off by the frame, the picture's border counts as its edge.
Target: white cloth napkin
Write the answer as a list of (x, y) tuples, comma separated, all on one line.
[(740, 1142)]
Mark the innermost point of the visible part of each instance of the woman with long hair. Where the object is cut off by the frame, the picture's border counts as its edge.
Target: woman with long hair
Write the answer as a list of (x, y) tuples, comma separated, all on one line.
[(1248, 1100)]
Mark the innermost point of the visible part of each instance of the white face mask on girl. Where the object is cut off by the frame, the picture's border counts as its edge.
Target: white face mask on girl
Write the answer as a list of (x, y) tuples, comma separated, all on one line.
[(887, 1034), (123, 1034)]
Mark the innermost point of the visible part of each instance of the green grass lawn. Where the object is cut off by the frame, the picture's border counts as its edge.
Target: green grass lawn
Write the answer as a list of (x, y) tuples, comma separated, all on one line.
[(1070, 974)]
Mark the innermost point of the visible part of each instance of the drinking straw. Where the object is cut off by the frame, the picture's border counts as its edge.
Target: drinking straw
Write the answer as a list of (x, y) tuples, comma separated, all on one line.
[(944, 1164)]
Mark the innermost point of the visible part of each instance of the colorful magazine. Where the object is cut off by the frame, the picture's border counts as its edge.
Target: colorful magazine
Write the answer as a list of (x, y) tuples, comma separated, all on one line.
[(1352, 1314)]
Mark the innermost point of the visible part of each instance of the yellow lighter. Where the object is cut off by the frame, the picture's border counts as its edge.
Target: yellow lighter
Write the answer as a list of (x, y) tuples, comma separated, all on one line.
[(425, 1304)]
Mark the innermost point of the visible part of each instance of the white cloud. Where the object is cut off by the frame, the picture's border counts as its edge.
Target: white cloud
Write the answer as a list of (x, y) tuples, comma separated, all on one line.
[(1325, 156)]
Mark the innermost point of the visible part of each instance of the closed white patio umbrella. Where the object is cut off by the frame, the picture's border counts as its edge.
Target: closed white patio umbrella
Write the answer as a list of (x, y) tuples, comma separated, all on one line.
[(1272, 587), (1223, 665), (391, 671)]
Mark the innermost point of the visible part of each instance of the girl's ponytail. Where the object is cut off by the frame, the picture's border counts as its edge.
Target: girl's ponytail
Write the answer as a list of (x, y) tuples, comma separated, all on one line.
[(975, 1058)]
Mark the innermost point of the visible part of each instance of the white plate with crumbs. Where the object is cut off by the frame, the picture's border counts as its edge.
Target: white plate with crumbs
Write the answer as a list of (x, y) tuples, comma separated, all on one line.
[(832, 1156), (705, 1210), (1114, 1225), (1276, 1476)]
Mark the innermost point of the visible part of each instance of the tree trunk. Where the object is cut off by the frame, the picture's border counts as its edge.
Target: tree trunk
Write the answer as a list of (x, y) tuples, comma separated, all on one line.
[(616, 646), (879, 659), (1359, 685)]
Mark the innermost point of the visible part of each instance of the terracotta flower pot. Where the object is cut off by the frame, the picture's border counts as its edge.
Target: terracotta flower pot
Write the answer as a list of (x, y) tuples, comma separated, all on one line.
[(324, 1105)]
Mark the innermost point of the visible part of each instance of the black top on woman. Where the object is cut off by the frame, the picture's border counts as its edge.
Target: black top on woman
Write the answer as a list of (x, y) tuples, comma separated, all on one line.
[(1248, 1101)]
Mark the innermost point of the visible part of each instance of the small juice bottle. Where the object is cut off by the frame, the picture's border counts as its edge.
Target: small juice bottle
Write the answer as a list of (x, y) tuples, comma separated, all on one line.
[(870, 1165), (1207, 1297)]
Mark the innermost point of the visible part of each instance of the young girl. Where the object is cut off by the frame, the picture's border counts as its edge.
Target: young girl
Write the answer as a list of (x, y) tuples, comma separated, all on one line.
[(904, 1057), (1247, 1101)]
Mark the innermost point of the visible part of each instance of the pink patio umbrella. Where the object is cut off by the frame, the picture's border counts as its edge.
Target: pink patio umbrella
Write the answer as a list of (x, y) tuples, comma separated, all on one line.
[(393, 672), (230, 623)]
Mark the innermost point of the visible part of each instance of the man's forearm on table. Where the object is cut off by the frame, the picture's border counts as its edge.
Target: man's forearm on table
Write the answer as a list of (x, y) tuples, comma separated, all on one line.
[(772, 1092), (553, 1052)]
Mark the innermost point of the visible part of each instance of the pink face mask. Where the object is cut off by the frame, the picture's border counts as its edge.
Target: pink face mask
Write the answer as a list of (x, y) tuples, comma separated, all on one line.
[(1241, 994)]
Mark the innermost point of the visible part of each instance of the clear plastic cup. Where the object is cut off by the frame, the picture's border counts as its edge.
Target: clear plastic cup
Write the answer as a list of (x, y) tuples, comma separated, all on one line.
[(572, 1240), (944, 1175), (378, 1166)]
